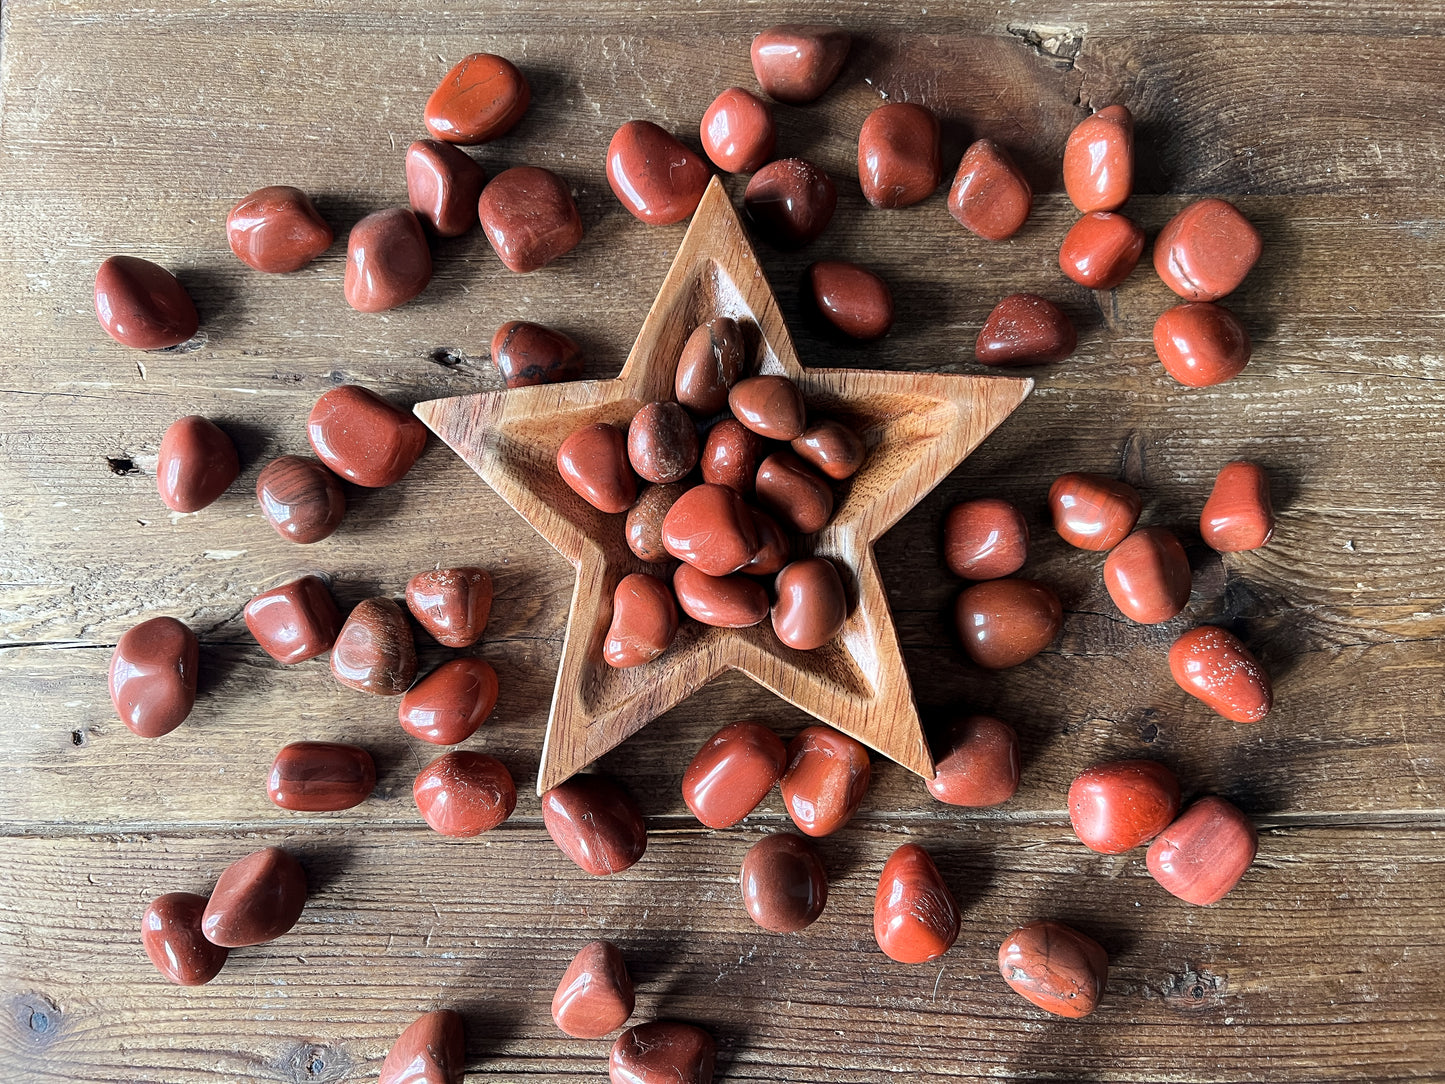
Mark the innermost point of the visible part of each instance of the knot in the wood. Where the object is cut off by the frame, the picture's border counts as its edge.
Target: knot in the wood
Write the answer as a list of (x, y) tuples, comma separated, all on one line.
[(1191, 990), (311, 1063), (37, 1018)]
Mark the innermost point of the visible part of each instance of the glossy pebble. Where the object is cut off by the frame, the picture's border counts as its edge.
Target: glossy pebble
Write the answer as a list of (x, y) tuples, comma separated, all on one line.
[(775, 548), (453, 604), (662, 443), (595, 995), (985, 539), (1006, 622), (793, 493), (1203, 854), (170, 931), (644, 621), (1201, 344), (1238, 515), (1093, 512), (464, 794), (790, 202), (595, 823), (990, 195), (277, 229), (320, 776), (448, 705), (729, 602), (432, 1050), (711, 529), (784, 885), (527, 354), (256, 899), (443, 185), (811, 605), (141, 304), (797, 62), (197, 463), (737, 131), (153, 673), (899, 155), (653, 175), (1025, 329), (643, 526), (1101, 250), (978, 765), (1148, 576), (1212, 664), (1206, 250), (300, 498), (831, 448), (1056, 967), (374, 652), (730, 456), (529, 217), (732, 772), (1099, 160), (713, 360), (1114, 807), (852, 299), (593, 462), (825, 781), (662, 1052), (480, 99), (915, 917), (387, 261), (363, 438)]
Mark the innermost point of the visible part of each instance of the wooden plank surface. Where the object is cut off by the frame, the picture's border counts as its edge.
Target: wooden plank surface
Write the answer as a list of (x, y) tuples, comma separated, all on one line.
[(128, 129)]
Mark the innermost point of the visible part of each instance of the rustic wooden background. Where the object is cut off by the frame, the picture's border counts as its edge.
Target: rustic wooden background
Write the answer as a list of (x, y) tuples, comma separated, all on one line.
[(133, 129)]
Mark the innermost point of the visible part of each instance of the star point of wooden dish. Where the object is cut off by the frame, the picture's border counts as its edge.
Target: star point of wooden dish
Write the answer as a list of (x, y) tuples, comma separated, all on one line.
[(918, 427)]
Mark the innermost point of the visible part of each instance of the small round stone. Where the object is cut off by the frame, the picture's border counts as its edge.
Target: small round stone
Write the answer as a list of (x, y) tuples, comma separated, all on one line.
[(730, 456), (1056, 967), (1213, 665), (653, 175), (480, 99), (1093, 512), (644, 621), (170, 931), (1206, 250), (277, 229), (1025, 329), (852, 299), (1148, 576), (713, 360), (595, 823), (387, 260), (448, 705), (1006, 622), (985, 539), (443, 185), (464, 794), (784, 885), (363, 438), (831, 448), (826, 779), (730, 602), (1099, 160), (1238, 515), (300, 498), (453, 604), (1115, 807), (153, 674), (595, 995), (990, 195), (979, 765), (529, 217), (732, 772), (593, 462), (797, 62), (662, 443), (899, 155), (374, 652), (915, 917), (790, 202), (256, 900), (527, 354), (320, 776), (142, 305), (197, 463), (811, 604), (643, 526), (1101, 250), (737, 131), (1201, 344)]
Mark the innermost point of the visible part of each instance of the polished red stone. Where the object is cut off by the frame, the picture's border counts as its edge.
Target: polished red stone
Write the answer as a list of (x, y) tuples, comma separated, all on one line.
[(775, 548), (170, 930), (1025, 329), (1114, 807), (1148, 576), (464, 794), (593, 462), (1099, 160), (899, 155), (737, 131), (374, 652), (1101, 250), (443, 185), (1093, 512), (453, 604), (448, 705), (1201, 344), (320, 776), (827, 776), (653, 175), (1212, 664), (480, 99), (432, 1050), (277, 229), (644, 621), (729, 602), (594, 996), (527, 354), (529, 217), (143, 305), (711, 529), (387, 260), (256, 899), (990, 195), (197, 463), (784, 885), (985, 539), (294, 622), (713, 359), (732, 772), (662, 1052), (1203, 854), (831, 448), (1056, 967), (771, 406), (1206, 250), (153, 676), (790, 202), (793, 493), (730, 456), (979, 765), (811, 605), (852, 299), (363, 438), (662, 443), (915, 917), (1006, 622), (797, 62), (643, 526), (595, 823), (300, 498), (1238, 515)]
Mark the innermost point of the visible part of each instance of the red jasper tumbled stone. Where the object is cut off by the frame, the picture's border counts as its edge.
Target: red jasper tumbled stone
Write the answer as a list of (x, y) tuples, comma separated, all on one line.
[(595, 823), (851, 298), (595, 995), (662, 443), (899, 155), (1005, 622), (294, 622), (713, 360), (775, 548), (790, 202), (711, 529), (784, 885), (197, 463), (1101, 250), (1238, 515), (653, 175), (799, 498), (737, 131), (170, 931), (1025, 329), (732, 772), (363, 438), (1213, 665), (453, 604), (978, 764), (985, 539), (464, 794), (643, 526), (1093, 512), (374, 652), (1056, 967), (1201, 344), (300, 498), (480, 99), (387, 260), (662, 1052), (153, 675), (831, 448), (320, 776), (825, 781), (432, 1050), (811, 604), (730, 456), (797, 62), (990, 195), (142, 305), (1206, 250), (277, 229), (443, 185), (771, 406), (729, 602), (1099, 160), (527, 354), (1114, 807), (1148, 576), (915, 917), (529, 217), (448, 705), (1203, 854), (593, 462), (256, 899), (644, 621)]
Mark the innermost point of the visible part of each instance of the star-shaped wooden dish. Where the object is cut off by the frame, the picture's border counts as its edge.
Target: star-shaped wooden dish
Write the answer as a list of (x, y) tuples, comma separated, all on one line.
[(917, 426)]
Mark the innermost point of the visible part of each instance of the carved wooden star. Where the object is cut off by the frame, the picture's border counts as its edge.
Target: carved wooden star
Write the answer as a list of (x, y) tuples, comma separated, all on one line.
[(918, 427)]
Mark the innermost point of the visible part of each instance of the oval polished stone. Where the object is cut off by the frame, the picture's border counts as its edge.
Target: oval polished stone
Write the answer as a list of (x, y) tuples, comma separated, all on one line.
[(644, 621), (1201, 344), (662, 443), (832, 448), (1005, 622), (775, 548), (480, 99), (1213, 665), (790, 202), (985, 539), (797, 62), (826, 779), (197, 463), (453, 604), (595, 995), (1114, 807), (1056, 967), (852, 299), (1206, 250), (653, 175), (153, 676), (729, 602), (662, 1052), (793, 493), (374, 651), (900, 159), (443, 185), (1025, 329), (529, 217), (730, 456), (732, 772), (464, 794), (593, 462), (300, 498), (643, 526), (256, 899), (737, 131), (527, 354), (387, 260), (711, 529), (785, 887), (713, 359), (363, 438), (1148, 576), (1093, 512), (1101, 250), (294, 622), (595, 823), (432, 1050), (320, 776), (170, 930), (979, 765), (990, 195), (448, 705), (143, 305), (1238, 515), (812, 604), (277, 229), (1099, 160), (1203, 854), (915, 917)]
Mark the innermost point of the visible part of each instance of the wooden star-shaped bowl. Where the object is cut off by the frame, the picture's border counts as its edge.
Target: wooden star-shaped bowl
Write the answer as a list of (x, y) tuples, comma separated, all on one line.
[(917, 427)]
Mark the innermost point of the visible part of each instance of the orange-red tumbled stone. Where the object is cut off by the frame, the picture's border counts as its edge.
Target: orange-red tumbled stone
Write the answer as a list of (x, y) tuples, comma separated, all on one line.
[(732, 772), (1203, 854), (1093, 512), (737, 131), (796, 63), (653, 175), (277, 229), (447, 706), (1114, 807), (899, 155), (1099, 160), (593, 462), (1101, 250), (1201, 344), (142, 305), (483, 97), (985, 539), (978, 765), (1213, 665), (1056, 967), (827, 777), (1238, 515), (1148, 576), (529, 217), (1206, 250), (990, 195), (387, 261), (1006, 622), (1025, 329), (463, 793), (915, 917), (363, 438)]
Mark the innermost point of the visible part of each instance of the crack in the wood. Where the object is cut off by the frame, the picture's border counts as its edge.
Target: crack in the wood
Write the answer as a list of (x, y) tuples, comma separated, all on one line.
[(1060, 45), (121, 465)]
